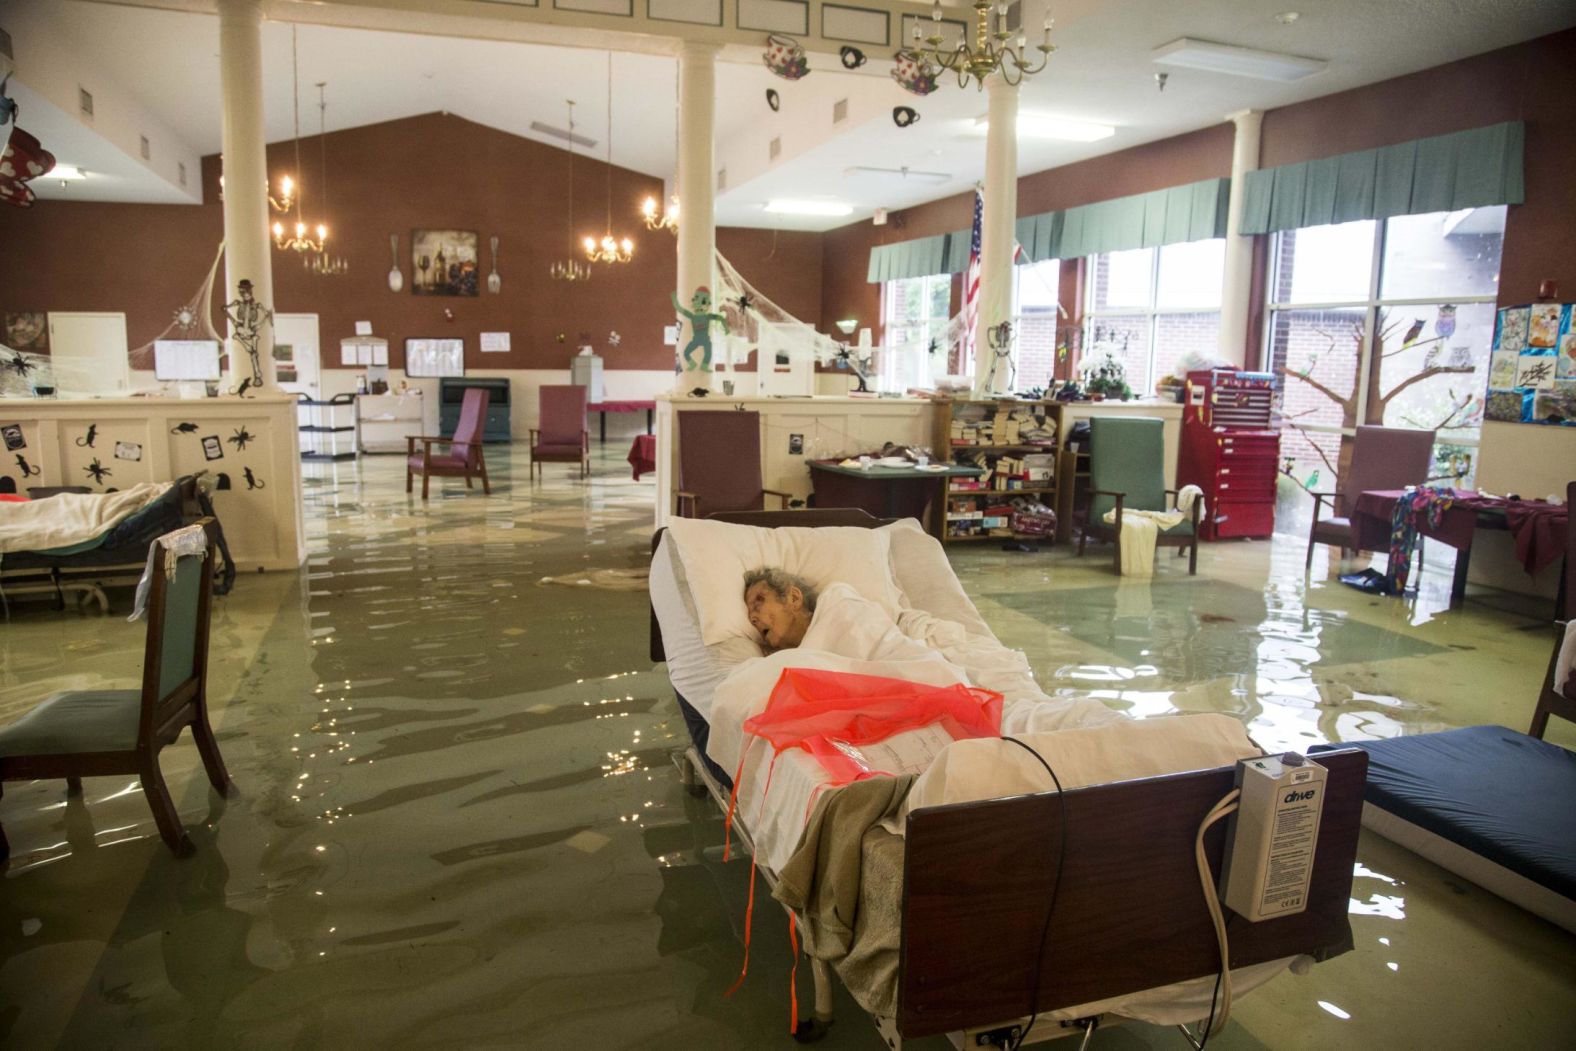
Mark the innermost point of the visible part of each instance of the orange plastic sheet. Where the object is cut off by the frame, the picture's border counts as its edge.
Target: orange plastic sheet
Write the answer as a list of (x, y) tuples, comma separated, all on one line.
[(830, 714)]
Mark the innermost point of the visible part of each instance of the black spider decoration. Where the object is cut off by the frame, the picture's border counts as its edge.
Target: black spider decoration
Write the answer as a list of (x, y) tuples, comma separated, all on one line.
[(20, 364), (745, 303), (98, 471), (935, 346), (240, 439)]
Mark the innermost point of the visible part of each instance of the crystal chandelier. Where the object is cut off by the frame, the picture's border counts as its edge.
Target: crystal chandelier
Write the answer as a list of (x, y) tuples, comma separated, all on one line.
[(995, 52), (610, 249), (322, 263), (298, 241), (570, 268), (668, 218)]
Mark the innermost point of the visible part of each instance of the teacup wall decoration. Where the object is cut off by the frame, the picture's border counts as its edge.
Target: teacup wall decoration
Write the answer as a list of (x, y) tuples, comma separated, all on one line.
[(903, 116), (785, 57), (852, 57)]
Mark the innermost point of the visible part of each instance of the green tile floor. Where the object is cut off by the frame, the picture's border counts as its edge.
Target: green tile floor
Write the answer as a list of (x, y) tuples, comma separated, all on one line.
[(457, 824)]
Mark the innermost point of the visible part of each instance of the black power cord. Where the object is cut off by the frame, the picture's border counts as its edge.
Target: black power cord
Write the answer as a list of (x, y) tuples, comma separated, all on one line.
[(1210, 1024), (1050, 907)]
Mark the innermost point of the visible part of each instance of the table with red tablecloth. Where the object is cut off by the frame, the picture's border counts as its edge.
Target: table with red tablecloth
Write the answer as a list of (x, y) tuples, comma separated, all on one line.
[(1539, 528), (602, 408), (643, 455)]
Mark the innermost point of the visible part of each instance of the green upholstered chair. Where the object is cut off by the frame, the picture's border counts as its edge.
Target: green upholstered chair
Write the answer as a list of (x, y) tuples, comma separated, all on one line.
[(87, 733), (1127, 471)]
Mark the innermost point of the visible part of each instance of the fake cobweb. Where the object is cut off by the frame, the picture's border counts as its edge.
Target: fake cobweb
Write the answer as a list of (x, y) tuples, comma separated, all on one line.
[(191, 320)]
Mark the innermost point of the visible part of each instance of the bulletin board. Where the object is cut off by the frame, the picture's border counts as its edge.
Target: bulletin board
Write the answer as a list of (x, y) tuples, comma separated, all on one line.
[(1532, 372)]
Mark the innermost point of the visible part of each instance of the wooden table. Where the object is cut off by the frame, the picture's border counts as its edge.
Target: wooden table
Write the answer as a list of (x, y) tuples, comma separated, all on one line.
[(602, 408), (1374, 509), (885, 492)]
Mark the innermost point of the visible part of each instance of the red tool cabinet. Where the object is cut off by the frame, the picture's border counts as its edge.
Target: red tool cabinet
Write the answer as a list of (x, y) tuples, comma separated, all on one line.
[(1230, 451)]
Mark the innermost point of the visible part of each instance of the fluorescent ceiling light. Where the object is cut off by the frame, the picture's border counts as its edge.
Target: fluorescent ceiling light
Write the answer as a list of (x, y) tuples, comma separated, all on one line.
[(1237, 61), (65, 171), (1042, 126), (792, 207), (897, 174)]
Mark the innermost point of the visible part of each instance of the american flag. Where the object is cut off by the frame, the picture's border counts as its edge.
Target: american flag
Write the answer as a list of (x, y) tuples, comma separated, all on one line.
[(971, 286)]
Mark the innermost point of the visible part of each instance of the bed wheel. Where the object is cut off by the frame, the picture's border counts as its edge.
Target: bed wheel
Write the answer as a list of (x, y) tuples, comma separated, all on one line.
[(811, 1030), (688, 777)]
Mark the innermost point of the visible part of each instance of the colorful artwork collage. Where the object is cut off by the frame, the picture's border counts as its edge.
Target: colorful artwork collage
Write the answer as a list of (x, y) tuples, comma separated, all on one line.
[(1532, 374)]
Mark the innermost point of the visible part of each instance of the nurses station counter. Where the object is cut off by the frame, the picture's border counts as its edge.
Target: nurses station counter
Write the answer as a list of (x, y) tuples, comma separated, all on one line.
[(249, 447)]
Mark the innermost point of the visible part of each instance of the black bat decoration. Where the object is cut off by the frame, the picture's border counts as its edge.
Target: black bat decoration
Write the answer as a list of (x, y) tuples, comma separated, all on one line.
[(98, 471), (184, 428), (86, 441), (240, 438), (252, 481)]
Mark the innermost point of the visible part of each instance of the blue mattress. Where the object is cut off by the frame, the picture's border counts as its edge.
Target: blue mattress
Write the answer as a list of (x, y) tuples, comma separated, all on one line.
[(1500, 794)]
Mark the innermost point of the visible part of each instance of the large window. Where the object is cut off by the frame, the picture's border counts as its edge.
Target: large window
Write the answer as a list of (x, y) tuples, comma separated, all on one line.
[(914, 310), (1156, 305), (1384, 322), (1035, 319)]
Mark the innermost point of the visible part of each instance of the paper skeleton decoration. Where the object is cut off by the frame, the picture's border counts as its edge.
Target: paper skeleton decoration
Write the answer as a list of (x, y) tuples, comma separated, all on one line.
[(248, 316)]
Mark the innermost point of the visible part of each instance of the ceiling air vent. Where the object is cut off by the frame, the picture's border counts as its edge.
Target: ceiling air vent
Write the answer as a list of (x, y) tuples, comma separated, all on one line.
[(722, 179), (5, 44), (839, 111), (180, 171), (85, 101), (147, 150), (775, 149)]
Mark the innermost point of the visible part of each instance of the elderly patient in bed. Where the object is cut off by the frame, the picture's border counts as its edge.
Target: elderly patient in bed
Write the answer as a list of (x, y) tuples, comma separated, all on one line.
[(784, 608)]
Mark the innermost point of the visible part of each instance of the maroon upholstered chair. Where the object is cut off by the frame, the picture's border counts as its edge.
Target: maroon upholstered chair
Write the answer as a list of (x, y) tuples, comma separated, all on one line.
[(720, 464), (464, 457), (1551, 701), (561, 435), (1382, 458)]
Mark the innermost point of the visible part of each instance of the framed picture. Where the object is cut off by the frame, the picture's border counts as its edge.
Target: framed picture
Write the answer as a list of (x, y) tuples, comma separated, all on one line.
[(429, 358), (27, 331), (443, 262)]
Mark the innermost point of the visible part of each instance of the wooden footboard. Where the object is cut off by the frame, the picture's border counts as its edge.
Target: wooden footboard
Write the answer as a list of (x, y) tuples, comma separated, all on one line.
[(1130, 914)]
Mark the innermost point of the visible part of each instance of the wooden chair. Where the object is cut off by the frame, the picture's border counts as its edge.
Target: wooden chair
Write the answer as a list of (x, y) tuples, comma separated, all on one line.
[(1127, 471), (1551, 701), (1382, 458), (89, 733), (561, 435), (720, 464), (464, 457)]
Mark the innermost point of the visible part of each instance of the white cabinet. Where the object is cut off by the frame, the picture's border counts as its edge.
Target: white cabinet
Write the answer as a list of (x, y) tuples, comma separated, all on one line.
[(386, 419)]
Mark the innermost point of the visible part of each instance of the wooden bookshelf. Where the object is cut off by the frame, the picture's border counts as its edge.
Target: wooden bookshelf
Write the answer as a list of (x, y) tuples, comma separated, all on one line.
[(999, 434)]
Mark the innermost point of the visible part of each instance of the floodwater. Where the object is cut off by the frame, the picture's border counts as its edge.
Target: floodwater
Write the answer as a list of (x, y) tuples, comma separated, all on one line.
[(457, 823)]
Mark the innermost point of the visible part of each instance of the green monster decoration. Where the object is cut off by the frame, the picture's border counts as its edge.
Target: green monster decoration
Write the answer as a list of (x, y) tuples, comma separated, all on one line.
[(700, 319)]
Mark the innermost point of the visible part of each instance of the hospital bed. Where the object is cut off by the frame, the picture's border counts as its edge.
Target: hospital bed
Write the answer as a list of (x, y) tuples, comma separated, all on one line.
[(119, 555), (1130, 926)]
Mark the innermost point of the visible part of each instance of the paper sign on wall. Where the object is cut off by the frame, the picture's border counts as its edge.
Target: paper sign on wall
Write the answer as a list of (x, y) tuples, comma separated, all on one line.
[(670, 335), (495, 342), (347, 353), (380, 354), (363, 328)]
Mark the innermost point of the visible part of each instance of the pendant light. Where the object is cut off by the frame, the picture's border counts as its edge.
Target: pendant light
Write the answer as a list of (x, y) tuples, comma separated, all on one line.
[(610, 249), (570, 268)]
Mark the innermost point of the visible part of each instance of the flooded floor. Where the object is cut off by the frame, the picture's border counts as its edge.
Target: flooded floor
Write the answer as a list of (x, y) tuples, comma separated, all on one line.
[(457, 823)]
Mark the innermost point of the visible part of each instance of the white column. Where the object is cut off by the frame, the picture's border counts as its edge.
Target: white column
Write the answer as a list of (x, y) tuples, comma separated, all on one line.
[(1234, 292), (697, 189), (245, 167), (997, 234)]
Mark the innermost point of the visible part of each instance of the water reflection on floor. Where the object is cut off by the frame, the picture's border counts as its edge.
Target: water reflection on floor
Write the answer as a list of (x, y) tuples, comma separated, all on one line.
[(457, 823)]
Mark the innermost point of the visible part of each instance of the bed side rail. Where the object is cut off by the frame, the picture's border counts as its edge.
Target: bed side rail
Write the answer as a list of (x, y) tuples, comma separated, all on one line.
[(1129, 915)]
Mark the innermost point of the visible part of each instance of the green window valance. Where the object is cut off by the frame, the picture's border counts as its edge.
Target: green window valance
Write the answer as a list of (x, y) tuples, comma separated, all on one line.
[(1194, 212), (921, 257), (1444, 173)]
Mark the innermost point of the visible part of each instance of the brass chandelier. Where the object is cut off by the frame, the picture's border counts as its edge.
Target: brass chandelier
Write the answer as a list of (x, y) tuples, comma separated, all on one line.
[(657, 217), (610, 249), (322, 263), (298, 241), (998, 52), (570, 268)]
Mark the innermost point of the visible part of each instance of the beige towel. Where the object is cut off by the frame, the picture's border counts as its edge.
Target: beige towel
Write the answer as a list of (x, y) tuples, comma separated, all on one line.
[(66, 519)]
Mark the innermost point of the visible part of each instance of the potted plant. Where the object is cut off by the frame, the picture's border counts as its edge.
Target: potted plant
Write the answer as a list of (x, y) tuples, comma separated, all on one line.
[(1105, 375)]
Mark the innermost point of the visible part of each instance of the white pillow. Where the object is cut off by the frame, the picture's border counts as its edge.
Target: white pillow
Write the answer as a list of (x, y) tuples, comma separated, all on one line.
[(716, 555), (925, 578)]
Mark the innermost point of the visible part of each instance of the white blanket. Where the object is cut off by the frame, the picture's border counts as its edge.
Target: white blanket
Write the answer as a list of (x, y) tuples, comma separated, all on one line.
[(1140, 529), (67, 519), (852, 634)]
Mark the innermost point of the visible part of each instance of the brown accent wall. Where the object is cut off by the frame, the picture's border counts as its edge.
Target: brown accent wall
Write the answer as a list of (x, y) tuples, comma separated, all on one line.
[(1534, 81), (432, 171)]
